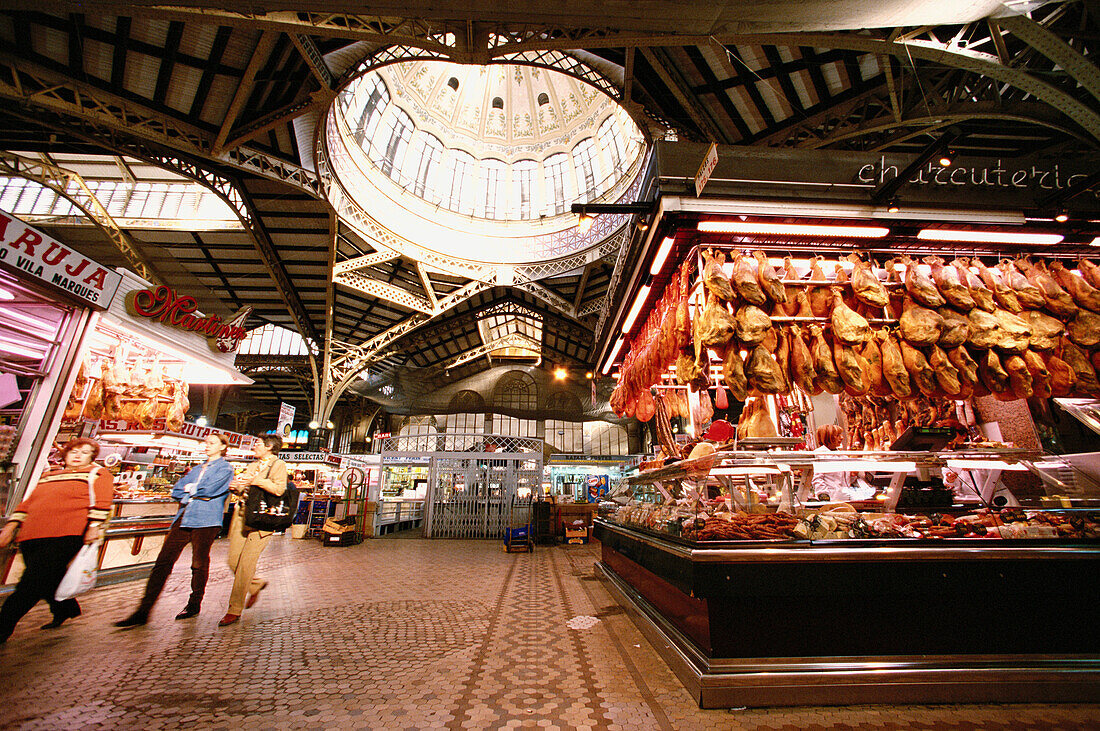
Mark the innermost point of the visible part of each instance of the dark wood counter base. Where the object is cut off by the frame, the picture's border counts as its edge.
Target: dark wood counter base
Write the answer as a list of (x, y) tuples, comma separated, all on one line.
[(713, 637)]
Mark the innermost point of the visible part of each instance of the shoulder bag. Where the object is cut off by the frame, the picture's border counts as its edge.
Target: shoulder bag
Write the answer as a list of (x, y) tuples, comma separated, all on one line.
[(264, 511)]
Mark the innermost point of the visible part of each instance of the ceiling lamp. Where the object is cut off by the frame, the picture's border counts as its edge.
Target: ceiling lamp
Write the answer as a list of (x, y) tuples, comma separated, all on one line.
[(947, 158), (612, 356), (787, 229), (1062, 217), (892, 206), (584, 222), (988, 237)]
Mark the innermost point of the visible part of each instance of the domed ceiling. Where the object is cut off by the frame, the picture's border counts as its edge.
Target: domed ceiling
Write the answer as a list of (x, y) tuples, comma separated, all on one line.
[(479, 163)]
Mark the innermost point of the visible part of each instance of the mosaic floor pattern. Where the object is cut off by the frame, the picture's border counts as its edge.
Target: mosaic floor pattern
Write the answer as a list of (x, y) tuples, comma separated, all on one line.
[(399, 634)]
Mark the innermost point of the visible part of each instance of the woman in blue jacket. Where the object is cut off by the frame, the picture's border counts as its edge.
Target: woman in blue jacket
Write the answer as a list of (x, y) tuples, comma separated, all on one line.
[(202, 493)]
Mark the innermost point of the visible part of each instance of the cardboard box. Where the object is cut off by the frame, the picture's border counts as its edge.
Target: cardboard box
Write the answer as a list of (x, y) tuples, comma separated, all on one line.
[(576, 535)]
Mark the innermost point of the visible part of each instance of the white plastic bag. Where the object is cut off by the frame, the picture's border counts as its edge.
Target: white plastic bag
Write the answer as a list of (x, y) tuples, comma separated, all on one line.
[(81, 574)]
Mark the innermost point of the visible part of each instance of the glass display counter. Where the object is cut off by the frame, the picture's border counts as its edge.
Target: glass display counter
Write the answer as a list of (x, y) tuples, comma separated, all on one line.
[(756, 597)]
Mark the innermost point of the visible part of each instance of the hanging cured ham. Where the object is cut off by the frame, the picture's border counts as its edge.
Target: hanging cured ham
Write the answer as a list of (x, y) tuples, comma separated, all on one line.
[(769, 280), (1082, 368), (920, 286), (992, 373), (918, 325), (1003, 294), (917, 365), (821, 297), (947, 375), (894, 371), (1084, 328), (955, 328), (1058, 301), (1090, 272), (949, 284), (966, 365), (848, 325), (827, 376), (745, 282), (802, 369), (1040, 375), (790, 274), (1046, 332), (783, 359), (763, 372), (733, 372), (1019, 377), (872, 356), (850, 367), (1030, 296), (714, 279), (751, 324), (1063, 379), (866, 285), (715, 326), (755, 421), (1015, 333), (984, 331), (1083, 293), (982, 295)]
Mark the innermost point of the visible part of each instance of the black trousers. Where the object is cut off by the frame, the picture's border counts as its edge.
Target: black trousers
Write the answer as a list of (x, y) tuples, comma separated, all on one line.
[(46, 560), (200, 539)]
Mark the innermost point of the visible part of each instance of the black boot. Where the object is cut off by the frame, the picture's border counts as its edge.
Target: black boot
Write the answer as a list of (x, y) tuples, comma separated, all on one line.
[(59, 619), (188, 613), (139, 617)]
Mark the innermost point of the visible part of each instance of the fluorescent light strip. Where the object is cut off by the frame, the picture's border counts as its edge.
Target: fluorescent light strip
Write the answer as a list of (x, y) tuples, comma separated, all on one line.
[(662, 255), (611, 357), (988, 237), (741, 227), (1095, 242), (643, 294)]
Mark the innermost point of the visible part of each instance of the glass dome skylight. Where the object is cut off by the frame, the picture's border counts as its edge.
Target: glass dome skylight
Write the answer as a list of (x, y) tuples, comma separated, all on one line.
[(480, 163)]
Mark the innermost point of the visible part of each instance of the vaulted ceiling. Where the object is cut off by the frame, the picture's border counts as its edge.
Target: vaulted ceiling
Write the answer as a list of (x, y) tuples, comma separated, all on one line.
[(232, 98)]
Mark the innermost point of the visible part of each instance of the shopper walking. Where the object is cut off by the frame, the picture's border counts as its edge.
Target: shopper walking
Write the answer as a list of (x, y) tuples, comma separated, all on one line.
[(267, 473), (65, 510), (202, 493)]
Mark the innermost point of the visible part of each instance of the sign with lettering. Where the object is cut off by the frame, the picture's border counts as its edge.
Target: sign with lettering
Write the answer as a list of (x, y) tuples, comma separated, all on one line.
[(188, 429), (285, 423), (33, 254), (706, 168), (164, 305), (326, 458)]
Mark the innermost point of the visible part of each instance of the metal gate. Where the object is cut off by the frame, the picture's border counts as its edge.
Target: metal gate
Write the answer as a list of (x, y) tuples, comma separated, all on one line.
[(478, 485)]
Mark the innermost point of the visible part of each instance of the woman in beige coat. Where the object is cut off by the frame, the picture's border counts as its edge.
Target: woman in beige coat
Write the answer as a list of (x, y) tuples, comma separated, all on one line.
[(268, 473)]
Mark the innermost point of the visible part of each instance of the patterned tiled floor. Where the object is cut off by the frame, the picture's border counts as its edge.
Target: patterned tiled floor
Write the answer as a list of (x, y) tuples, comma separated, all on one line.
[(399, 634)]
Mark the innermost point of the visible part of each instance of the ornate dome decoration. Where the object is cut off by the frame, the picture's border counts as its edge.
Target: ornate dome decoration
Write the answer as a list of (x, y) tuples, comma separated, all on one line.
[(479, 163)]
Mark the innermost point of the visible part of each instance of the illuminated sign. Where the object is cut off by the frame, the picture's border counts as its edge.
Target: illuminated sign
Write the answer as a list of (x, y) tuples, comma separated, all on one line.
[(164, 305)]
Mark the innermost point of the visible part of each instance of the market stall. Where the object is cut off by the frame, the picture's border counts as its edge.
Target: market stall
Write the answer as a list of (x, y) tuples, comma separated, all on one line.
[(128, 388), (943, 558)]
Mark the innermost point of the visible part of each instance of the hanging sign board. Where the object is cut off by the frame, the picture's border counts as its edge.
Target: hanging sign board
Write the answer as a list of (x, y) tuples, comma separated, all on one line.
[(33, 254), (286, 420), (164, 305), (706, 168)]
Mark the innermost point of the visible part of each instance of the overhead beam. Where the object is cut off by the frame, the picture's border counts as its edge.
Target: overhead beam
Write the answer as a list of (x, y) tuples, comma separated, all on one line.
[(313, 58), (702, 121), (260, 56), (1080, 68)]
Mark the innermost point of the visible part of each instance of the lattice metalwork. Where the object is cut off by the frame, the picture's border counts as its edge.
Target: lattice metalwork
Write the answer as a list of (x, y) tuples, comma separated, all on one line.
[(367, 260), (562, 63), (511, 340), (36, 88), (70, 185), (374, 288), (502, 444)]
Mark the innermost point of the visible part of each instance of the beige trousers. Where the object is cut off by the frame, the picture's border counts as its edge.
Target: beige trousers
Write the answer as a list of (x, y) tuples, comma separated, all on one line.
[(244, 552)]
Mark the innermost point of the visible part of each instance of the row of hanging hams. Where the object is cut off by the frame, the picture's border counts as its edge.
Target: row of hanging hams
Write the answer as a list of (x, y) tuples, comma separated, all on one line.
[(874, 422), (139, 394), (1017, 329)]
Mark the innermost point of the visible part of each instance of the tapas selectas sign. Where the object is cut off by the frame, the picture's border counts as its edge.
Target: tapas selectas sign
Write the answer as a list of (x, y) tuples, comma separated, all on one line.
[(34, 254), (164, 305)]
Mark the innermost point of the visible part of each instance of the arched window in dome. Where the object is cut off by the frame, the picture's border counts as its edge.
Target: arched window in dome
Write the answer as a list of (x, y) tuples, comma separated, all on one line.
[(557, 192), (422, 164), (544, 99), (375, 97), (584, 162), (523, 185), (453, 83), (491, 195), (458, 191), (400, 130), (610, 140), (498, 103), (466, 401), (516, 391)]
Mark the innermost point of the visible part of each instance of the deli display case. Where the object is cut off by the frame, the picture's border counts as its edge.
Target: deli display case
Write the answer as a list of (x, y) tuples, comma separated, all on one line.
[(755, 595)]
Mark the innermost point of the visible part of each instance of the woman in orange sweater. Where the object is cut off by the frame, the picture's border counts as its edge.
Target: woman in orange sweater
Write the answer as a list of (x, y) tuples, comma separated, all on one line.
[(53, 522)]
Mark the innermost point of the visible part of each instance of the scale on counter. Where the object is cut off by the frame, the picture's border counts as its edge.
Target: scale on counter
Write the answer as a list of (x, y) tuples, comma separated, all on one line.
[(923, 439)]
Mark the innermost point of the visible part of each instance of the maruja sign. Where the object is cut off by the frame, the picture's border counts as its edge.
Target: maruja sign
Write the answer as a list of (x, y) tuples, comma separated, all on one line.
[(164, 305)]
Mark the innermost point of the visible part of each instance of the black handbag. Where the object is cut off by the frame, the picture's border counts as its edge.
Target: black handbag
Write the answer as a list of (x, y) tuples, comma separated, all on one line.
[(264, 511)]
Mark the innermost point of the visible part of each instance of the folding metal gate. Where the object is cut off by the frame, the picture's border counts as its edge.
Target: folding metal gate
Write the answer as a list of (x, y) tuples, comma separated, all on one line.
[(478, 484)]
